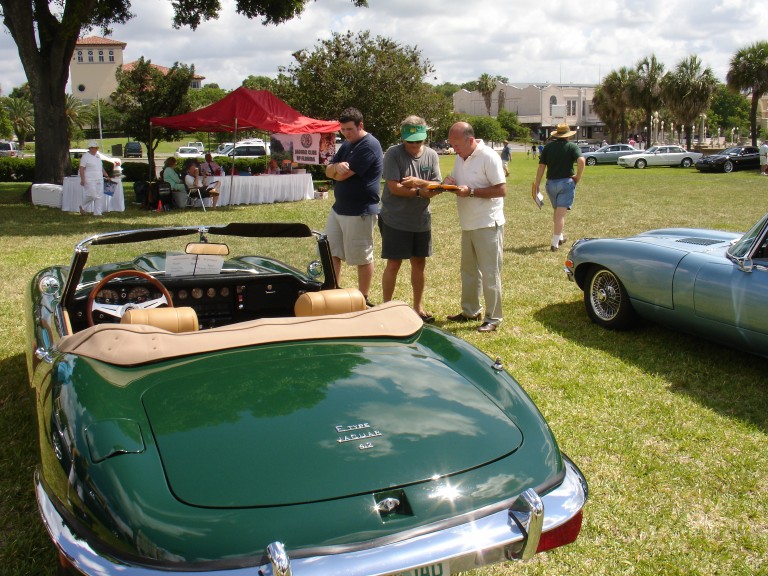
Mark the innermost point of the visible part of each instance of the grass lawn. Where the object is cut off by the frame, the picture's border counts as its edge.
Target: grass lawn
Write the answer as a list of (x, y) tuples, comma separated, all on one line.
[(670, 430)]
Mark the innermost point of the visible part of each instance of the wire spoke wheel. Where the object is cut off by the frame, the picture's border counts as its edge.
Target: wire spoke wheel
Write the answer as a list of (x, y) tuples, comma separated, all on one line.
[(607, 301)]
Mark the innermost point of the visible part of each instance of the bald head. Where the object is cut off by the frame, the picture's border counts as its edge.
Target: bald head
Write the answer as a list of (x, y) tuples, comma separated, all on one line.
[(461, 137)]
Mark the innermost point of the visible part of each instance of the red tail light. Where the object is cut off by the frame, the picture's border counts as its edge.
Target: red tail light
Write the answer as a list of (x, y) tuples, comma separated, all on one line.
[(562, 535)]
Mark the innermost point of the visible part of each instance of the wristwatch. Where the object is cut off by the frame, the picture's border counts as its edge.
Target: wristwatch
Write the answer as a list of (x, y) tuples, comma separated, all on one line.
[(471, 192)]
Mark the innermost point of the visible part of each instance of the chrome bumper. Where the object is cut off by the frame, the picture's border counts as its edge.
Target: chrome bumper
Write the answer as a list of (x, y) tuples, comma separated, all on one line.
[(569, 273), (505, 535)]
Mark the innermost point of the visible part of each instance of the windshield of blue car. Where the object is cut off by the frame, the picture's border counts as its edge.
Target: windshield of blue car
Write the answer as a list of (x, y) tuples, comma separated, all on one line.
[(740, 248)]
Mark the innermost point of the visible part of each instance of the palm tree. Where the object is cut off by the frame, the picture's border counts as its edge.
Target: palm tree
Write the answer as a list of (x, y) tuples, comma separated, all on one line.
[(688, 91), (486, 84), (645, 90), (22, 117), (747, 73), (77, 113), (614, 100)]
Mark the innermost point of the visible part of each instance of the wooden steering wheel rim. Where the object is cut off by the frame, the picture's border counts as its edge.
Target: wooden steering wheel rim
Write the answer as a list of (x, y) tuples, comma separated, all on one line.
[(120, 274)]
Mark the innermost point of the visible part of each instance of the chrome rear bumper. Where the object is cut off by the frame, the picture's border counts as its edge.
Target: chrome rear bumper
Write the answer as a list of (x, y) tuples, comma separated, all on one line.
[(506, 535)]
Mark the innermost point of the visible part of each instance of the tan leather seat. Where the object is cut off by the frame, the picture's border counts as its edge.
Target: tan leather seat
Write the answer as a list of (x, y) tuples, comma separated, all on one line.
[(337, 301), (182, 319)]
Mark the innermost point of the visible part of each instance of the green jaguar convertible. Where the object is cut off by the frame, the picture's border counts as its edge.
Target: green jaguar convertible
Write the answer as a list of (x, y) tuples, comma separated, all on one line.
[(210, 402)]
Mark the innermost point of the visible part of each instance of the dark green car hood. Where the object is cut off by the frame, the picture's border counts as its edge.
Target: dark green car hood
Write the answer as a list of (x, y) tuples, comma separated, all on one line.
[(295, 424)]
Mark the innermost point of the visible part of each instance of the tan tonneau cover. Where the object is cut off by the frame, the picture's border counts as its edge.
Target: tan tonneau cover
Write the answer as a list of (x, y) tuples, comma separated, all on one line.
[(130, 345)]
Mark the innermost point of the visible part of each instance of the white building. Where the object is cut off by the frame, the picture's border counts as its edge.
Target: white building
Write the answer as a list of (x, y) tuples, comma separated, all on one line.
[(539, 106), (93, 67)]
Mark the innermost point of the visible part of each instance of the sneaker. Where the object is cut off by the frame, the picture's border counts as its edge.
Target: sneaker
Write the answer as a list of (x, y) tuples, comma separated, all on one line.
[(562, 240), (369, 303), (553, 248)]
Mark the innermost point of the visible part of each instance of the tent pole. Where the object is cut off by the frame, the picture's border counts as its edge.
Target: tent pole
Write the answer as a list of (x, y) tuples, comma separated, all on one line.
[(232, 172)]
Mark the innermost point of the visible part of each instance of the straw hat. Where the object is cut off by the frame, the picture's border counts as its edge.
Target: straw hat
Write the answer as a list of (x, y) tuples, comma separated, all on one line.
[(562, 131)]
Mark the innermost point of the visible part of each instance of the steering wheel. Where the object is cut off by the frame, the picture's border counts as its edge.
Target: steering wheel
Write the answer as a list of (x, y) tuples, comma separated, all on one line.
[(117, 310)]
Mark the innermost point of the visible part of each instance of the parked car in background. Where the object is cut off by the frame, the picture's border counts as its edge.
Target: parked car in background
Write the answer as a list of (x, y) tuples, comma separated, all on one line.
[(116, 162), (11, 149), (706, 282), (608, 154), (223, 146), (241, 415), (132, 150), (199, 145), (730, 159), (246, 150), (666, 155), (585, 148), (187, 152)]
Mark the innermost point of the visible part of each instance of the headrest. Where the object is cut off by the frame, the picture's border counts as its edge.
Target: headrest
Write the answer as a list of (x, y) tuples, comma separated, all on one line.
[(182, 319), (337, 301), (207, 248)]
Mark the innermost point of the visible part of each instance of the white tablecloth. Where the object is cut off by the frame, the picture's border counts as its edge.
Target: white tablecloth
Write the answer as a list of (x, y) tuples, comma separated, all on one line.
[(266, 189), (73, 196)]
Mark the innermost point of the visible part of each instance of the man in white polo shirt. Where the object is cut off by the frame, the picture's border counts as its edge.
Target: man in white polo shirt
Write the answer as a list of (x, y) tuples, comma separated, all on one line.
[(479, 174), (92, 176)]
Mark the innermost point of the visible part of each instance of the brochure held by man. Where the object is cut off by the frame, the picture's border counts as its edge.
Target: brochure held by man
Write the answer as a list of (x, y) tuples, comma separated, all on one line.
[(536, 195)]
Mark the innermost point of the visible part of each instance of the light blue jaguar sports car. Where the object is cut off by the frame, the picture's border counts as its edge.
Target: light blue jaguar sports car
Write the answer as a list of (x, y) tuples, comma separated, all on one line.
[(710, 283)]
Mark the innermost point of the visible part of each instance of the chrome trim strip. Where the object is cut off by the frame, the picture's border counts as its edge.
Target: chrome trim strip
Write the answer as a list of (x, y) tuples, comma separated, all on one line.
[(487, 540)]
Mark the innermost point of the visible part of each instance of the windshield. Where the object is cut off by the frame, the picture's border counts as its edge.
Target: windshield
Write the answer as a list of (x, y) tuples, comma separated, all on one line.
[(280, 250), (741, 247), (652, 149)]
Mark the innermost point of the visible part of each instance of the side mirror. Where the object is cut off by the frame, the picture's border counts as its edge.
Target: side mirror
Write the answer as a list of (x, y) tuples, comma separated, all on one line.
[(746, 264)]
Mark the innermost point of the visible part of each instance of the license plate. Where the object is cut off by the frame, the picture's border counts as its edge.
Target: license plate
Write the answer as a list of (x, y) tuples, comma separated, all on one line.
[(439, 569)]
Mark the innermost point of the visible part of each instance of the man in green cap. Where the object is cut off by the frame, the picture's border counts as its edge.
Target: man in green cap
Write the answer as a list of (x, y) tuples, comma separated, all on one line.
[(405, 221)]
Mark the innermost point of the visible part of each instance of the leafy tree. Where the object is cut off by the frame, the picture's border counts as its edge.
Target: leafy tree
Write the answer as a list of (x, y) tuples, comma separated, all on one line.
[(144, 92), (259, 83), (437, 110), (111, 119), (511, 125), (486, 84), (447, 89), (22, 91), (378, 76), (205, 96), (728, 110), (487, 128), (748, 73), (21, 117), (645, 89), (45, 34), (687, 92)]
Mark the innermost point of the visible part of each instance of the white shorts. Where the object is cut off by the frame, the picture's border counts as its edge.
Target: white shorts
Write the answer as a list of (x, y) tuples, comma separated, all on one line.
[(351, 237)]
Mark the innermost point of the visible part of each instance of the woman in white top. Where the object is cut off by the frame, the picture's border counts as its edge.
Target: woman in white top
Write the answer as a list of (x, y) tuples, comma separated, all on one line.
[(193, 179), (92, 176)]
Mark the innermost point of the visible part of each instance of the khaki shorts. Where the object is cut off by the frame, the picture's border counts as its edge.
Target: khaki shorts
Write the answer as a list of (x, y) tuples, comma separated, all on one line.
[(351, 237)]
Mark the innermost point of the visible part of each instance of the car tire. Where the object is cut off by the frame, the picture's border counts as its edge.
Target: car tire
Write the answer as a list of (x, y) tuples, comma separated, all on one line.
[(591, 161), (728, 167), (641, 164), (686, 163), (607, 301)]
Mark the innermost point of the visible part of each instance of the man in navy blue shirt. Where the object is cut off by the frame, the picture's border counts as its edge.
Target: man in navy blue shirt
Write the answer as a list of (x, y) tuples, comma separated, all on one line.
[(356, 169)]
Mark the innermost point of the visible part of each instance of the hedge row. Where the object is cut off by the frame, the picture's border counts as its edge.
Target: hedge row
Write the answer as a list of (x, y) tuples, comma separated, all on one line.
[(23, 169)]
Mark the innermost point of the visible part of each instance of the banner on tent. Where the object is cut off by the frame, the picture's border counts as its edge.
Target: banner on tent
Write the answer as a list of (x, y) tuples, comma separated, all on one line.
[(304, 148)]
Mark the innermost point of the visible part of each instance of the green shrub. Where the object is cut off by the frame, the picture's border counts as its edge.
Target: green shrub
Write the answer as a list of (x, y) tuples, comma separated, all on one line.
[(17, 169), (135, 171)]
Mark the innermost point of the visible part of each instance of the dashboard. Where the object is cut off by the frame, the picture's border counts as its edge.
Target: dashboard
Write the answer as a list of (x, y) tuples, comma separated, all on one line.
[(217, 300)]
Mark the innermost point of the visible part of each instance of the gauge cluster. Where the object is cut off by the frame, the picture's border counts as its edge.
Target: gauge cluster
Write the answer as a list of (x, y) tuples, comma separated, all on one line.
[(217, 301)]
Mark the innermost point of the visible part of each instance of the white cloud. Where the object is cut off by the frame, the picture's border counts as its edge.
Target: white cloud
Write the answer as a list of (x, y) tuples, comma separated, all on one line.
[(551, 40)]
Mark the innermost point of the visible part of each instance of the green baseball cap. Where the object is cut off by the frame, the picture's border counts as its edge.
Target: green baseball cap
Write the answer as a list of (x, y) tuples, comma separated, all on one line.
[(412, 133)]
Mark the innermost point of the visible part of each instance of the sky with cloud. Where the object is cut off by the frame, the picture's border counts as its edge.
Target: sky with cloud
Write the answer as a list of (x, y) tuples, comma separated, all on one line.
[(577, 41)]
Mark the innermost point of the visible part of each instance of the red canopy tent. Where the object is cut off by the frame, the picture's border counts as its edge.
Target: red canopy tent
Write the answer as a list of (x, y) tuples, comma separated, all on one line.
[(244, 109)]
